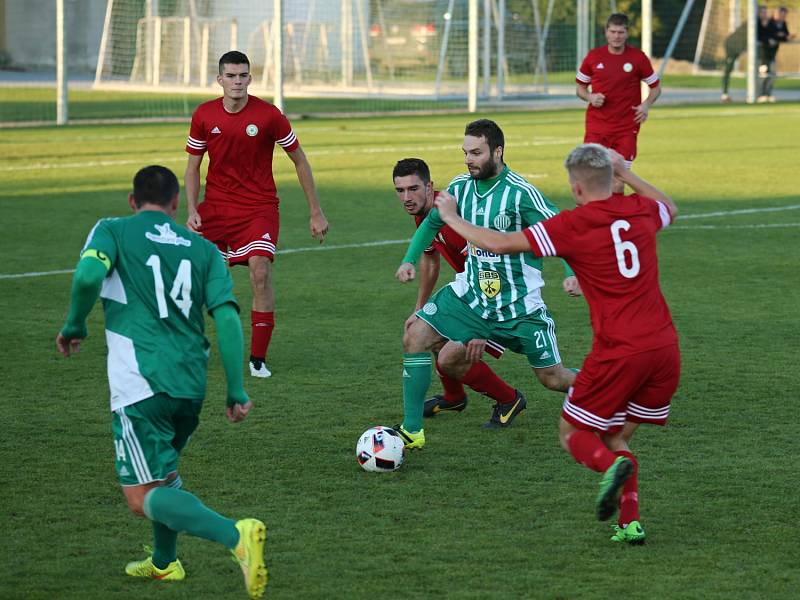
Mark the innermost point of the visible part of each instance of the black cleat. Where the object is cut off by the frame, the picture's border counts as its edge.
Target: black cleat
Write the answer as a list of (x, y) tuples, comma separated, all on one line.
[(437, 404), (503, 414)]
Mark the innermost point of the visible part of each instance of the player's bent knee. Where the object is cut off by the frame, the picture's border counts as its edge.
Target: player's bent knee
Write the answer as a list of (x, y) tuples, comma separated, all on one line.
[(417, 338)]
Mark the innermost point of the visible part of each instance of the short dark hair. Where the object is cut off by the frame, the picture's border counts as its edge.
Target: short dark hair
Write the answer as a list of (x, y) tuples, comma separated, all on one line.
[(489, 130), (154, 185), (412, 166), (234, 57), (617, 19)]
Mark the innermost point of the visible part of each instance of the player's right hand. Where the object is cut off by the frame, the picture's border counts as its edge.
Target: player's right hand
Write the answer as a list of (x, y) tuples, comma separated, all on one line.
[(193, 222), (597, 99), (617, 162), (405, 273)]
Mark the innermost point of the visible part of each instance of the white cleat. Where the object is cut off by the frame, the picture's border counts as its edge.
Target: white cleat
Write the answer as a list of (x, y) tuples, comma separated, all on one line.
[(258, 368)]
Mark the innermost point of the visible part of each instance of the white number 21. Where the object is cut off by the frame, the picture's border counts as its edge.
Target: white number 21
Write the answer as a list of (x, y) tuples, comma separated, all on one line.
[(181, 292), (621, 248)]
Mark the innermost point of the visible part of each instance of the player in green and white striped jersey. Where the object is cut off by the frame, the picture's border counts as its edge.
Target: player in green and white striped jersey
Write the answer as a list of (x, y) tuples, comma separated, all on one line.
[(496, 297), (155, 277)]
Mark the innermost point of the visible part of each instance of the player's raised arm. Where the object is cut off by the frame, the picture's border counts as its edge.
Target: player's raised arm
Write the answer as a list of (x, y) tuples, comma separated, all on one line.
[(488, 239), (639, 185), (422, 239)]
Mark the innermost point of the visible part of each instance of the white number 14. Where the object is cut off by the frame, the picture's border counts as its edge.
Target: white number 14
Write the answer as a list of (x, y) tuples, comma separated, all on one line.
[(181, 292)]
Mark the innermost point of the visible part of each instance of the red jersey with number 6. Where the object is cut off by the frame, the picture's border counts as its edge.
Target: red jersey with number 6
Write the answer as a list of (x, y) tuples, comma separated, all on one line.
[(448, 243), (611, 246), (240, 147), (617, 77)]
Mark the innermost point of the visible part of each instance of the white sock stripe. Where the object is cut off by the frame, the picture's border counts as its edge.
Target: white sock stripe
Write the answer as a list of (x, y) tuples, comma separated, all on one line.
[(176, 483)]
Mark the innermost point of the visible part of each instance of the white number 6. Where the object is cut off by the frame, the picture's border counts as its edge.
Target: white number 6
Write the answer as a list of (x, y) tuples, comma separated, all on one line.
[(621, 248)]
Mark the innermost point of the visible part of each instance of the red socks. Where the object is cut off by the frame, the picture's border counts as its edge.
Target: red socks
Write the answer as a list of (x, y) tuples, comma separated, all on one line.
[(629, 500), (262, 325), (482, 379), (587, 448), (453, 388)]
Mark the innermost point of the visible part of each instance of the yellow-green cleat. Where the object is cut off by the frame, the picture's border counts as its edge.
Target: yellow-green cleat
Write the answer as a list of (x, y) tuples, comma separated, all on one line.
[(611, 487), (411, 441), (145, 568), (249, 553), (632, 533)]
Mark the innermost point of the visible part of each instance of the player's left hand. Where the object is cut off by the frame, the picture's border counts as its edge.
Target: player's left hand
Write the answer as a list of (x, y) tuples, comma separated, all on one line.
[(67, 346), (446, 203), (319, 226), (571, 286), (640, 112), (475, 350), (405, 273), (238, 412)]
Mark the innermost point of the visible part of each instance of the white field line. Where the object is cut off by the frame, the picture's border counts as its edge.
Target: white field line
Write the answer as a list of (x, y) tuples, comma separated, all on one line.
[(330, 247), (311, 153)]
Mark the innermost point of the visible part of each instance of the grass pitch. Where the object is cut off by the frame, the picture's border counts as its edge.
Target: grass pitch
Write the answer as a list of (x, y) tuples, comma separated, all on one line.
[(477, 514)]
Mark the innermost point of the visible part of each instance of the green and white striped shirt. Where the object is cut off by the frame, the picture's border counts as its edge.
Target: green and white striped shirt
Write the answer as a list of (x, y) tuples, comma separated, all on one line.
[(499, 287)]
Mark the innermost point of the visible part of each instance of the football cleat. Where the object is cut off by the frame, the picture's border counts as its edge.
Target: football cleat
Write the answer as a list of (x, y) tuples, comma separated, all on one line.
[(726, 98), (632, 533), (145, 568), (411, 441), (249, 553), (503, 414), (258, 368), (611, 487), (437, 404)]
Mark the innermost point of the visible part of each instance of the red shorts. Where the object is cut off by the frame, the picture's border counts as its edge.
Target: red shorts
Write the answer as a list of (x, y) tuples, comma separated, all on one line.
[(624, 143), (635, 388), (241, 234)]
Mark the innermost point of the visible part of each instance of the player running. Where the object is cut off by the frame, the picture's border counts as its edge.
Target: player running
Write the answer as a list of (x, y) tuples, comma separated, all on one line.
[(495, 297), (414, 188), (155, 278), (633, 368), (616, 110)]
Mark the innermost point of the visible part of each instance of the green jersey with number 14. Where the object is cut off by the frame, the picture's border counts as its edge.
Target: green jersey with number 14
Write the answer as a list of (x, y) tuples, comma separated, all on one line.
[(499, 287), (160, 277)]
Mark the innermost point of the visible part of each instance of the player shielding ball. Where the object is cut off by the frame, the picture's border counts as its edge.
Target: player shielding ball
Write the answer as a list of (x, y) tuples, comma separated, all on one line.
[(155, 278), (616, 110), (495, 298), (240, 210), (414, 188), (633, 368)]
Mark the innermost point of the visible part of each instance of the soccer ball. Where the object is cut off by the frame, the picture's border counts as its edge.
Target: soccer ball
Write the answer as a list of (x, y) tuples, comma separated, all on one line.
[(380, 450)]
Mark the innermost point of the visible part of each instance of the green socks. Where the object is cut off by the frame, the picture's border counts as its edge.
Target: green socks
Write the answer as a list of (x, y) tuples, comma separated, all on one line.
[(183, 512), (416, 381), (165, 545)]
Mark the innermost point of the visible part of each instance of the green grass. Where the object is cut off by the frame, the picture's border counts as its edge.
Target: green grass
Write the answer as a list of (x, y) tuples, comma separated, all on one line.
[(477, 514)]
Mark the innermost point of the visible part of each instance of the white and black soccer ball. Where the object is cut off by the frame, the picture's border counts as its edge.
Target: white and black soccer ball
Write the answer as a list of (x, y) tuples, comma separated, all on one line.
[(380, 450)]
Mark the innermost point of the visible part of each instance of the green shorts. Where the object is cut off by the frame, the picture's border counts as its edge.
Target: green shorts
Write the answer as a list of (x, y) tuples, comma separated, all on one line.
[(533, 335), (149, 436)]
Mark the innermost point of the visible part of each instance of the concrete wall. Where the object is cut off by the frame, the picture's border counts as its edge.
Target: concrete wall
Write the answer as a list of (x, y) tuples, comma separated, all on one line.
[(29, 33)]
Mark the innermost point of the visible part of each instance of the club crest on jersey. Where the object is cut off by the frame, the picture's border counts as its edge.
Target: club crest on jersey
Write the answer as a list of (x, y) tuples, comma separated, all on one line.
[(627, 67), (489, 282), (483, 255), (502, 222), (430, 309), (166, 236), (251, 130)]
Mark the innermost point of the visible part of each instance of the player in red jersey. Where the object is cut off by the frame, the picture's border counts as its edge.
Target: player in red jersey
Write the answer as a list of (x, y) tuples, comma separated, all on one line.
[(633, 368), (616, 110), (414, 188), (240, 210)]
